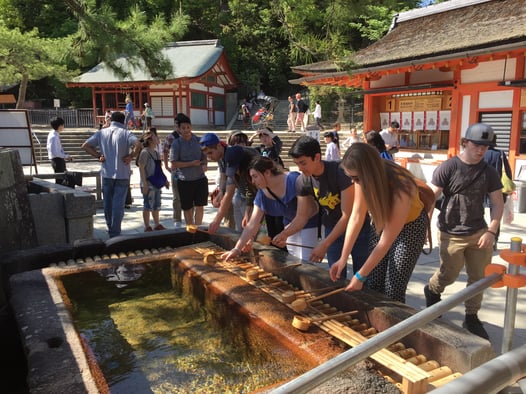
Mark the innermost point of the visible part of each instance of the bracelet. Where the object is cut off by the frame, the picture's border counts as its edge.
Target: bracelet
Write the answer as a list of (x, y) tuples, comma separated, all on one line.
[(360, 277), (492, 233)]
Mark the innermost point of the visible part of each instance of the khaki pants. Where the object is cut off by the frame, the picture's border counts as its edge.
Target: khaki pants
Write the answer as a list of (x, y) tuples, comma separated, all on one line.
[(456, 252)]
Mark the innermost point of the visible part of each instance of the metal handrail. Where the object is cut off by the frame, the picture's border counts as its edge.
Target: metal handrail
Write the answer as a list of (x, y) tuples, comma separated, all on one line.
[(323, 372), (490, 377)]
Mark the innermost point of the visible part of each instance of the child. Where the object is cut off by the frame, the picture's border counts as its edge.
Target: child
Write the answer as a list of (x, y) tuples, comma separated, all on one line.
[(332, 153), (149, 158)]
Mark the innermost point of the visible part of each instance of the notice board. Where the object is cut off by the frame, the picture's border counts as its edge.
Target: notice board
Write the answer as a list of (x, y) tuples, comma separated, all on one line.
[(15, 133)]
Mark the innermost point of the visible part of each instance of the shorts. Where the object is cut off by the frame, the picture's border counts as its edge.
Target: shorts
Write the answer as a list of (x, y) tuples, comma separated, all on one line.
[(193, 193), (152, 200)]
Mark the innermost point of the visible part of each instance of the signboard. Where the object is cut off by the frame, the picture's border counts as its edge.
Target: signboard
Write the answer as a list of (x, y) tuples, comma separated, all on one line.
[(15, 133)]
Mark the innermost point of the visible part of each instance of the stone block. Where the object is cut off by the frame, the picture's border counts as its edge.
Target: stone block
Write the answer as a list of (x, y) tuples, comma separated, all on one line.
[(78, 204), (16, 223), (48, 216), (79, 228)]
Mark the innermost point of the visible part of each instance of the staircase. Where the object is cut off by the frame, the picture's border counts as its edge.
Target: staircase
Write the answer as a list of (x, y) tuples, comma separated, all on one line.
[(73, 139)]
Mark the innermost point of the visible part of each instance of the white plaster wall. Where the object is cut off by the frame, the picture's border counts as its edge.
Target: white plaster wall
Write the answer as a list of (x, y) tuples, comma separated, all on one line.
[(418, 77), (497, 99), (490, 71), (389, 80)]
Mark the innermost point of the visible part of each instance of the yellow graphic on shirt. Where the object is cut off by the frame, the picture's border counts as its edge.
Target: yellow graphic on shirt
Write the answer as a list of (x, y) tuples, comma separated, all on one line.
[(330, 201)]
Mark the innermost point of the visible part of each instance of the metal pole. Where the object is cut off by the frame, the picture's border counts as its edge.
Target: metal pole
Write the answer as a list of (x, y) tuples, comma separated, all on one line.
[(490, 377), (510, 312), (511, 301), (323, 372)]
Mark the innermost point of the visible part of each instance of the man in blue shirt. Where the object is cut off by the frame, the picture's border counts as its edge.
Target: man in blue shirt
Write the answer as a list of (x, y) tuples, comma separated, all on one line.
[(117, 147)]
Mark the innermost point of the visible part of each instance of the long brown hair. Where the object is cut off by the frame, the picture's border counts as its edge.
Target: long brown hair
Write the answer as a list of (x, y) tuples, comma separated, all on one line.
[(379, 179)]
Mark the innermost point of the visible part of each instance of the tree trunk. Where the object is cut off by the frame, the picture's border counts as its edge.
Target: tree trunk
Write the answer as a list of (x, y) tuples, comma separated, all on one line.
[(22, 91)]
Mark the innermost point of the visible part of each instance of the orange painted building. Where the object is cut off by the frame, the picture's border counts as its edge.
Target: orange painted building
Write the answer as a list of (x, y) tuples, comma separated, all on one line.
[(439, 69), (198, 87)]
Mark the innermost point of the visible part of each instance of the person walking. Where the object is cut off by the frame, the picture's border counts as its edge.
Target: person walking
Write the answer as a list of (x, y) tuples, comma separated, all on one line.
[(276, 196), (465, 239), (147, 116), (187, 157), (129, 113), (334, 191), (149, 159), (55, 152), (317, 115), (398, 225), (302, 110), (291, 118), (117, 148)]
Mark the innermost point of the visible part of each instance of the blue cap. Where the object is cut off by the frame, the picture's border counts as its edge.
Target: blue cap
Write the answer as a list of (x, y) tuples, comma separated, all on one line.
[(209, 139)]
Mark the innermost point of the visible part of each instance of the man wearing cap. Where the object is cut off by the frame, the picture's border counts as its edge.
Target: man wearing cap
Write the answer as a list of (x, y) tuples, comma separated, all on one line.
[(464, 238), (233, 163)]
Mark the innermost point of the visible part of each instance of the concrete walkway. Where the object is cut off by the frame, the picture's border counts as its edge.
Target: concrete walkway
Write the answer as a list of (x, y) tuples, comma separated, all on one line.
[(492, 312)]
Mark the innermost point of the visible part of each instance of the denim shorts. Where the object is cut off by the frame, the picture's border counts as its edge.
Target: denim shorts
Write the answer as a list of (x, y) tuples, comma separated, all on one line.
[(152, 200)]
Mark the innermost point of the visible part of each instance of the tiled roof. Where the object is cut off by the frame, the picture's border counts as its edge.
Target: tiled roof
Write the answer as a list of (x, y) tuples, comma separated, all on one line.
[(452, 28), (190, 59)]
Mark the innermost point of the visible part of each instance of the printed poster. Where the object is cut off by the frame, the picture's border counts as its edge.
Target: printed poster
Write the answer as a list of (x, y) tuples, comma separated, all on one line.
[(418, 120), (445, 120), (384, 120), (407, 121), (396, 117), (431, 120)]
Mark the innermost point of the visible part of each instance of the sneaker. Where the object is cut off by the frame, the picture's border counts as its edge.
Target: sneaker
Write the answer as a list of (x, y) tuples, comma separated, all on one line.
[(474, 326), (431, 298), (178, 224)]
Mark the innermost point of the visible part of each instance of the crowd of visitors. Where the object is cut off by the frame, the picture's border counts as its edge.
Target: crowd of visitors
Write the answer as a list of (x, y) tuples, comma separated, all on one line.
[(364, 205)]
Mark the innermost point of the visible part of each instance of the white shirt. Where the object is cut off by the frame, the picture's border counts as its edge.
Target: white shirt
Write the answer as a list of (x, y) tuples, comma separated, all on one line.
[(54, 146), (332, 153), (317, 111), (389, 138)]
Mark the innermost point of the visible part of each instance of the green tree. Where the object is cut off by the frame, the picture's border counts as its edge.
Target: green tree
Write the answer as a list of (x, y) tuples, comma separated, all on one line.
[(26, 56)]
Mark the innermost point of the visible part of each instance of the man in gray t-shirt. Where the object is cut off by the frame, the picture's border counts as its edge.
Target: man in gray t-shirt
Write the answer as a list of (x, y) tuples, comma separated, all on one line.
[(190, 162), (465, 238)]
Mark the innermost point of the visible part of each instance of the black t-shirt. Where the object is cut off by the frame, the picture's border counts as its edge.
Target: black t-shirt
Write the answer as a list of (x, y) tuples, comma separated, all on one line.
[(327, 189), (465, 187)]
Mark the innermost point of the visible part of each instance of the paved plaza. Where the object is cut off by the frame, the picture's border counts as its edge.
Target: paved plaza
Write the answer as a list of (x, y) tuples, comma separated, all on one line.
[(493, 309)]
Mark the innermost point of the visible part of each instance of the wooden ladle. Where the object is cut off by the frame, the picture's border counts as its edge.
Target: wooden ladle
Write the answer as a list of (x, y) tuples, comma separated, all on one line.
[(303, 323), (267, 241), (193, 228), (301, 304), (288, 296)]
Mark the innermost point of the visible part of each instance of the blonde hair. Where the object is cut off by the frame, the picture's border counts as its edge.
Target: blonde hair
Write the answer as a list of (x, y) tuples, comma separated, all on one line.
[(379, 179)]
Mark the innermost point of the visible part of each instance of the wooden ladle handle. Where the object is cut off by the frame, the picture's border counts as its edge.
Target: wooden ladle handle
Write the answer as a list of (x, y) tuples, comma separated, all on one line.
[(333, 316), (326, 294)]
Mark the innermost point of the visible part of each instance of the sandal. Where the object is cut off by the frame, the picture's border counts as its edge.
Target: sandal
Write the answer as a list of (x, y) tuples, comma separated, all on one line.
[(159, 227), (148, 229)]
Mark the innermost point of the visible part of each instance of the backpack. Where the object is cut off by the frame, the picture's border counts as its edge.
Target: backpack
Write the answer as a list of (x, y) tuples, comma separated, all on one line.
[(427, 196)]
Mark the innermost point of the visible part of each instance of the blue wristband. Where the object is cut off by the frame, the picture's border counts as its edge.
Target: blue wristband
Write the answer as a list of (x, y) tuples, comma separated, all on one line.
[(360, 277)]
